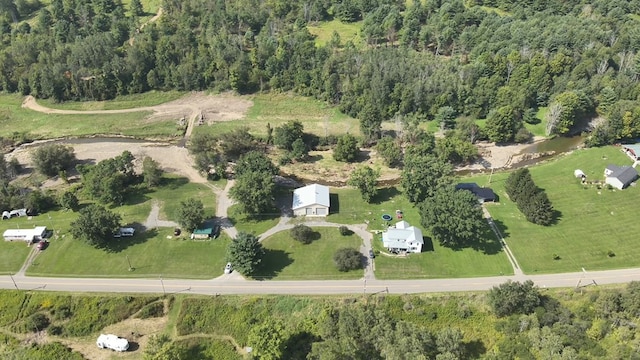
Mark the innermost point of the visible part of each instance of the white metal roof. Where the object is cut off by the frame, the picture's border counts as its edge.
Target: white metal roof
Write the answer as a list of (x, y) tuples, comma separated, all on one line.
[(310, 195)]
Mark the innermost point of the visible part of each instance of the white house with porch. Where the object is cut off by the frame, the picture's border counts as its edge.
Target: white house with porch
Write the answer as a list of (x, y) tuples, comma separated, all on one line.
[(403, 238), (311, 200)]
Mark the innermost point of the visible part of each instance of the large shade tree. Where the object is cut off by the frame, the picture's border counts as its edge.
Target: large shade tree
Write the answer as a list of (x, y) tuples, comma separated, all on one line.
[(96, 225), (245, 253), (423, 174), (453, 217)]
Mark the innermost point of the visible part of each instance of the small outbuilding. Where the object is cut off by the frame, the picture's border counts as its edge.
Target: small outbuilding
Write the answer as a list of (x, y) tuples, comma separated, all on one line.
[(29, 235), (620, 176), (202, 234), (311, 200)]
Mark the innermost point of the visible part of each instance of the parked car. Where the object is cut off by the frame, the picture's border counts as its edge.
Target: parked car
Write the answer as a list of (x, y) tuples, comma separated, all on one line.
[(228, 269), (42, 244), (372, 254)]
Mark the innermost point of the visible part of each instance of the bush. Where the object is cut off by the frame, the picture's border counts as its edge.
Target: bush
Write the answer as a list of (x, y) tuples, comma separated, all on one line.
[(152, 310), (610, 253), (34, 323), (344, 231), (556, 257), (302, 233), (51, 159), (514, 297), (347, 259)]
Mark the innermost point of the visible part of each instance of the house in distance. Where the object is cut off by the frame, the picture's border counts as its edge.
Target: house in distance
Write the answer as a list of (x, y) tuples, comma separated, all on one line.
[(482, 194), (311, 200), (620, 176)]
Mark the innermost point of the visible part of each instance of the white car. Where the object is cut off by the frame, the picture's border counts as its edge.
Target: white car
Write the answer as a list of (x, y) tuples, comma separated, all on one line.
[(113, 342), (228, 269)]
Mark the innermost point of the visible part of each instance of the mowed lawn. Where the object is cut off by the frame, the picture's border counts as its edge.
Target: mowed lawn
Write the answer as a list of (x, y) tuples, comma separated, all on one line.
[(12, 255), (592, 221), (435, 261), (288, 259), (152, 253), (132, 101), (252, 224), (15, 119)]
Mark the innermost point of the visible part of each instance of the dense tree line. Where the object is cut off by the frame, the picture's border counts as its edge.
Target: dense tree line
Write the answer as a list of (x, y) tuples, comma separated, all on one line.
[(432, 60), (531, 200)]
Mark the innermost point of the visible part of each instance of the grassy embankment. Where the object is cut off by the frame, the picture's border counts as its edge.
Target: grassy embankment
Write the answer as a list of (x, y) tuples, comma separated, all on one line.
[(592, 221), (36, 125)]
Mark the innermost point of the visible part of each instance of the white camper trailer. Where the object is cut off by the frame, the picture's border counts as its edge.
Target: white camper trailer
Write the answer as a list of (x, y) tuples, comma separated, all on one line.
[(112, 342)]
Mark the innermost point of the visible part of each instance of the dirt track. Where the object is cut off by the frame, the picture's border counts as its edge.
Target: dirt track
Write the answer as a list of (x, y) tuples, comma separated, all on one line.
[(175, 159)]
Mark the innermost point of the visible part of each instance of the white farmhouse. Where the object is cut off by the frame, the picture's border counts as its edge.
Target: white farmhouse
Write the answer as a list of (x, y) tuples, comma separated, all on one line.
[(403, 238)]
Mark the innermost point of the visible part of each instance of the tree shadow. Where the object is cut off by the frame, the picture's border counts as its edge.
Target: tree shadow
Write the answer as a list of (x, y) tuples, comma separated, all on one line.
[(298, 345), (272, 264), (313, 158), (117, 245), (334, 200), (173, 182), (385, 194), (137, 196), (363, 155), (556, 216), (474, 349), (487, 242)]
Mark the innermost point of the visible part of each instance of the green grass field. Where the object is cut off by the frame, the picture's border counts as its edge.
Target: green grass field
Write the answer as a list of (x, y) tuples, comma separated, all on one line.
[(592, 221), (151, 253), (539, 129), (317, 117), (436, 261), (15, 119), (288, 259), (12, 255), (323, 32), (347, 207), (66, 256), (150, 98), (252, 225)]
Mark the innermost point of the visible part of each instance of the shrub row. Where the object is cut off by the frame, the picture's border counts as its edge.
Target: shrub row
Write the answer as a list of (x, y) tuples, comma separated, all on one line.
[(531, 200)]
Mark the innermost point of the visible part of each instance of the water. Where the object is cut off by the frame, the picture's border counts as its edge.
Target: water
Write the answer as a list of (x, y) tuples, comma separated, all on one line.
[(558, 145)]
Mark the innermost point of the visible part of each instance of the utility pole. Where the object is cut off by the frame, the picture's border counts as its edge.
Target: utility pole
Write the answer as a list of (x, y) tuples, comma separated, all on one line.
[(129, 262), (163, 290), (14, 282)]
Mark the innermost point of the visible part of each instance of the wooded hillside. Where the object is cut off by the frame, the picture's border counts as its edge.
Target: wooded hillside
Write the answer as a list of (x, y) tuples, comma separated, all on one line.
[(501, 59)]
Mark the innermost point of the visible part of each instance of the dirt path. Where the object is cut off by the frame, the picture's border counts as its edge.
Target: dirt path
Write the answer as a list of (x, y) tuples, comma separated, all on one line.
[(153, 19)]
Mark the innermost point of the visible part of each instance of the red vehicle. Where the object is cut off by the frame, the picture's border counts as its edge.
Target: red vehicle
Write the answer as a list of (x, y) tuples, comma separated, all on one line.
[(42, 244)]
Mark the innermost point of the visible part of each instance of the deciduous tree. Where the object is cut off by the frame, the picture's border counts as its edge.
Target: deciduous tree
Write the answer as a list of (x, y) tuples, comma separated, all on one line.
[(50, 159), (347, 259), (151, 171), (245, 252), (190, 213), (514, 297), (365, 179), (390, 150), (423, 175), (96, 226), (346, 149), (453, 217), (254, 192)]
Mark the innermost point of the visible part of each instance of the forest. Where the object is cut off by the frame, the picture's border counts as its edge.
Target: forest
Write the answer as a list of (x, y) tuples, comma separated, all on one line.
[(499, 60)]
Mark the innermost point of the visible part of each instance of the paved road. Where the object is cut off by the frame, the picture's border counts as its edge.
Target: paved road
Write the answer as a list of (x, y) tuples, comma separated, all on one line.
[(228, 284)]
